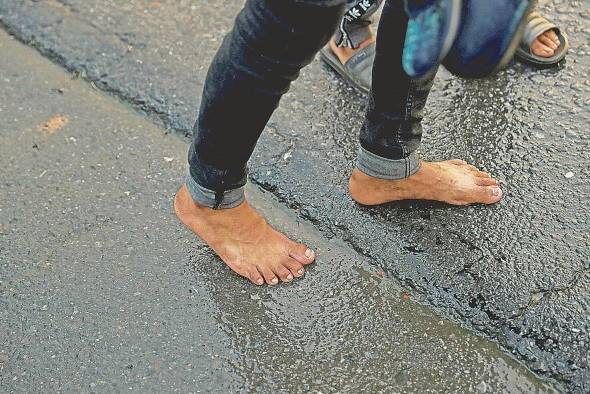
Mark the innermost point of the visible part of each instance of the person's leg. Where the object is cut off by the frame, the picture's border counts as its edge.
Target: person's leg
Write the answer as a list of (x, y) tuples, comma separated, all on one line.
[(268, 45), (389, 167)]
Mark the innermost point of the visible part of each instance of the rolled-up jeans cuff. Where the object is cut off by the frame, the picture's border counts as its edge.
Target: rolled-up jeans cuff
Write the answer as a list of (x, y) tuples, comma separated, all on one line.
[(383, 168), (216, 200)]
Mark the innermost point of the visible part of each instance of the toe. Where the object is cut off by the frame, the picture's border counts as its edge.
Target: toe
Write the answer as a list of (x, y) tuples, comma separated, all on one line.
[(490, 194), (541, 49), (545, 40), (553, 37), (486, 181), (255, 277), (295, 267), (302, 253), (268, 275), (283, 273)]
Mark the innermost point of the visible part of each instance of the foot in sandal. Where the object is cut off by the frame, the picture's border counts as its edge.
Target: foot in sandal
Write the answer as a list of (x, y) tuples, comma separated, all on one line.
[(543, 43)]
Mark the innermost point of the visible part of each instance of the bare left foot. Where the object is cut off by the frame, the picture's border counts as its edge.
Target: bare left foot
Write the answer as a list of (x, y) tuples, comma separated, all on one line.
[(453, 181)]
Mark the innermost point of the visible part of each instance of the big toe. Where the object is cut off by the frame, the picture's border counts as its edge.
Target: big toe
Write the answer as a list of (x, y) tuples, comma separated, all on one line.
[(489, 194), (553, 37), (302, 253)]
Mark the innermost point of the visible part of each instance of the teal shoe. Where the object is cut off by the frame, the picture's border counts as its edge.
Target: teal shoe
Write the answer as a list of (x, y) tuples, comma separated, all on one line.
[(432, 28), (489, 34)]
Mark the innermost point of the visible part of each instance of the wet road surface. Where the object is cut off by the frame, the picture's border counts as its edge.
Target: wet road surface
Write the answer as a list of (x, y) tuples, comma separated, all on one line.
[(518, 272), (102, 290)]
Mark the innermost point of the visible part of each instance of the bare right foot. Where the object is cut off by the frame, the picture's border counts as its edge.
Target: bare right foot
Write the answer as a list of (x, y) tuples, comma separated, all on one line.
[(244, 241), (454, 182)]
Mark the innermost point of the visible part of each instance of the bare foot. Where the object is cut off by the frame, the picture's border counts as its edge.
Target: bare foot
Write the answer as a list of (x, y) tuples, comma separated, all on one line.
[(344, 54), (454, 182), (546, 44), (244, 241)]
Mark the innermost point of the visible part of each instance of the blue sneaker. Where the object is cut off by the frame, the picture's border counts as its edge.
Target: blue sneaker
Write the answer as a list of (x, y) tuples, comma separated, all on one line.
[(490, 33), (432, 28)]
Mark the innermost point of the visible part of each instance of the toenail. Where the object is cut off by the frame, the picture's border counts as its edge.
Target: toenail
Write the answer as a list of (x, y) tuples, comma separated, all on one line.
[(301, 271), (309, 253), (259, 281), (274, 281), (496, 191), (289, 277)]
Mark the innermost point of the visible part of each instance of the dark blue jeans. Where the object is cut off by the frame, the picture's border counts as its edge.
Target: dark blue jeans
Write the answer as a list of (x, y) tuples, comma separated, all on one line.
[(270, 42)]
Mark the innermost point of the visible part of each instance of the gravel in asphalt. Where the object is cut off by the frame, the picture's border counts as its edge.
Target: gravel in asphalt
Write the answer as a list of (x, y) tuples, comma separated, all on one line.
[(102, 290), (518, 272)]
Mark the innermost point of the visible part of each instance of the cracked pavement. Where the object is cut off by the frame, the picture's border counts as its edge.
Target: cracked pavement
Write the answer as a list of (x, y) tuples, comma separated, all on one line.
[(103, 290), (518, 272)]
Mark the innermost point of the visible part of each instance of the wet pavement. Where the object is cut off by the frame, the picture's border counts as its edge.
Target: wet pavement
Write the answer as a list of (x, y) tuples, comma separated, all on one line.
[(102, 290), (518, 272)]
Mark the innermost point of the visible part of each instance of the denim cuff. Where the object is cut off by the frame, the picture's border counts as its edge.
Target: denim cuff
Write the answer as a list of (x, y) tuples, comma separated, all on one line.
[(383, 168), (216, 200)]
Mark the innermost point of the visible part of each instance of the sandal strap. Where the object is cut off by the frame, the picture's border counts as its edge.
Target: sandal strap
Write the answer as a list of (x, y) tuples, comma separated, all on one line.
[(364, 55), (535, 26)]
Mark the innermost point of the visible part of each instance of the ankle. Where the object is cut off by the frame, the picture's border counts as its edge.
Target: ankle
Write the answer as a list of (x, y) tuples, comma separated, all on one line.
[(365, 189), (185, 204)]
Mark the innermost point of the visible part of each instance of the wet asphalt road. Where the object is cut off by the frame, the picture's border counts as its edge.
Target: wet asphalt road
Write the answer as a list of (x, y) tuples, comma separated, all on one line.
[(102, 290), (518, 272)]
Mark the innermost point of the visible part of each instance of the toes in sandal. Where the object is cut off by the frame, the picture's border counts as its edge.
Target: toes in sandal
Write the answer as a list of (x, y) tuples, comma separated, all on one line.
[(535, 26), (357, 70)]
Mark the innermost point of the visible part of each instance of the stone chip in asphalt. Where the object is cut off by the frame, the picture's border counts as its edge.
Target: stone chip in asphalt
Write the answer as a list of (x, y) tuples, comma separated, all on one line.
[(102, 290)]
